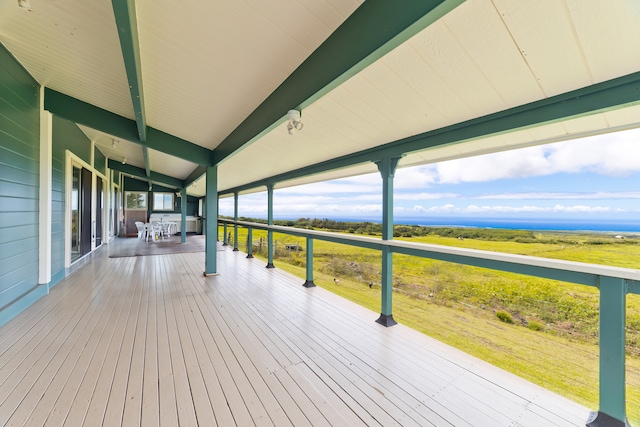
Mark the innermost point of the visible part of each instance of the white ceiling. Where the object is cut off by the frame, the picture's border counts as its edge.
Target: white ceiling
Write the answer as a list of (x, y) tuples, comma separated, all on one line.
[(207, 65)]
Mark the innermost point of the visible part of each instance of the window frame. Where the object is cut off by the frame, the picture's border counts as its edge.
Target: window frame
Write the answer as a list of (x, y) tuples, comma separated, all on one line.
[(164, 201), (138, 207)]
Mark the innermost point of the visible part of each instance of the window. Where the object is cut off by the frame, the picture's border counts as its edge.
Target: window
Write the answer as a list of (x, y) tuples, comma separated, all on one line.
[(162, 201), (135, 200)]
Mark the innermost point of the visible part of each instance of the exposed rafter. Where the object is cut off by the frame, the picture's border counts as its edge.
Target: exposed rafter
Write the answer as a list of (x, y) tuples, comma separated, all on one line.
[(94, 117), (147, 163), (195, 174), (610, 95), (374, 29), (155, 177), (126, 21), (125, 14)]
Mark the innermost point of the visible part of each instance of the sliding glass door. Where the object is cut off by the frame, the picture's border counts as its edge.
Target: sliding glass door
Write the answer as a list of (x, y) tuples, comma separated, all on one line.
[(82, 228), (75, 213)]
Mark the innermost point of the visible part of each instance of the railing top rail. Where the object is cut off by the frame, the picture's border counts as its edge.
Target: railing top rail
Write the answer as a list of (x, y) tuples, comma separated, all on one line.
[(571, 271)]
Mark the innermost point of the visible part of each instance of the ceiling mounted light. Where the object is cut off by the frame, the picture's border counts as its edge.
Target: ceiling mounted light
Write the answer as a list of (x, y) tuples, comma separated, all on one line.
[(294, 121), (24, 4), (124, 161)]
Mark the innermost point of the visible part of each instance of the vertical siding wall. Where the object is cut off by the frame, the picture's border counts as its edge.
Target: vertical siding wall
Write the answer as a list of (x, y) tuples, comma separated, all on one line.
[(19, 187), (66, 136), (99, 161)]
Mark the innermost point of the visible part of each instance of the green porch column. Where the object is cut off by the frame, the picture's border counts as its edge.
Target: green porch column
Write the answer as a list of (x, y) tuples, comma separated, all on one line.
[(270, 222), (387, 168), (249, 242), (613, 293), (183, 209), (218, 208), (235, 218), (210, 266), (225, 242), (309, 282)]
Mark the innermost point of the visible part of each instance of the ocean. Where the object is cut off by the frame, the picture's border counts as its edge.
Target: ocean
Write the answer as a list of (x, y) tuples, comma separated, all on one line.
[(550, 224)]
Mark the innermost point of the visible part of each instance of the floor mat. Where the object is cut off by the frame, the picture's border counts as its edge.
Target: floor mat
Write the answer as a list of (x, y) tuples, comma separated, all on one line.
[(129, 246)]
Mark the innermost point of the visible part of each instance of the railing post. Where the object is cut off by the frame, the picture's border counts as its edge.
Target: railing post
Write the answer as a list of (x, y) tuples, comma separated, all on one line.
[(235, 218), (613, 292), (386, 313), (270, 222), (224, 232), (309, 282), (249, 242)]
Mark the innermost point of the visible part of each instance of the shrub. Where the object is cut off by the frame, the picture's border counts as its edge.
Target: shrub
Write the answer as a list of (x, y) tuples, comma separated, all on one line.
[(504, 316), (535, 326)]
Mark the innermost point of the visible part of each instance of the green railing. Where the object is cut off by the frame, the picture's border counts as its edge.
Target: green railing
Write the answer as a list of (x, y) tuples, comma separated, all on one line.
[(614, 284)]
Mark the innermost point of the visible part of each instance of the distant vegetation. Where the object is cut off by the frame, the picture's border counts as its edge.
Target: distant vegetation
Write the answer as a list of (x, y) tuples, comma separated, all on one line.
[(490, 234)]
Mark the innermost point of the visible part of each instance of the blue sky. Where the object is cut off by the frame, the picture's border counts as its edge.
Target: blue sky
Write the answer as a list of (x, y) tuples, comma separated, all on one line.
[(593, 178)]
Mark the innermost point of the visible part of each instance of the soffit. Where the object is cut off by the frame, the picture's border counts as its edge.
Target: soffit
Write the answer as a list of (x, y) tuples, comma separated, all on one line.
[(115, 148), (71, 47), (612, 121), (481, 58), (207, 66)]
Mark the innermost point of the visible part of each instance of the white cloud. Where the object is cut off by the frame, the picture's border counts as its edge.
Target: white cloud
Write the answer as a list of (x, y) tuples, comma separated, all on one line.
[(623, 195), (423, 196), (475, 209), (448, 208), (615, 155), (414, 177)]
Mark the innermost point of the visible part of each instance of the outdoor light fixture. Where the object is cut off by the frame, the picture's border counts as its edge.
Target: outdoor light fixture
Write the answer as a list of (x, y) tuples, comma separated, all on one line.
[(24, 4), (124, 160), (295, 122)]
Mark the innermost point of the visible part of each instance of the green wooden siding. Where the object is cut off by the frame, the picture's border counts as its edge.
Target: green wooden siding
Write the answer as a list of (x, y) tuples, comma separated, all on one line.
[(19, 187), (66, 136), (99, 161)]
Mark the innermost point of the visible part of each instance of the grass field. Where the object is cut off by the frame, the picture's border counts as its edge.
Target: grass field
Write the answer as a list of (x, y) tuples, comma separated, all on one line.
[(552, 339)]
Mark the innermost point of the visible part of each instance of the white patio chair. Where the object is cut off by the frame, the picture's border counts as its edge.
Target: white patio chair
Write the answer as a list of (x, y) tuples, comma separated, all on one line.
[(167, 229), (142, 230)]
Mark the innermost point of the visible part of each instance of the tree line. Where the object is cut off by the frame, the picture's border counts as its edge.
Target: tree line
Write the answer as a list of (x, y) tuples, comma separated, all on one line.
[(375, 229)]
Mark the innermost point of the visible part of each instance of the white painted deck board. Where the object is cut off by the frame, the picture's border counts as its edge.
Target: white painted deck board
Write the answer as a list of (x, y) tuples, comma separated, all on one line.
[(150, 341)]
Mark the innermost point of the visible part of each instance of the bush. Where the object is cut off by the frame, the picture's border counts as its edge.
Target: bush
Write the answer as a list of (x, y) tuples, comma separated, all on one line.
[(504, 317), (535, 326)]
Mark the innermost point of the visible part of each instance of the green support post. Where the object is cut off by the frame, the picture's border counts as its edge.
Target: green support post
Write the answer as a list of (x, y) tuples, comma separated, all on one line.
[(387, 168), (270, 222), (235, 218), (183, 214), (309, 282), (224, 237), (211, 266), (613, 292), (249, 242)]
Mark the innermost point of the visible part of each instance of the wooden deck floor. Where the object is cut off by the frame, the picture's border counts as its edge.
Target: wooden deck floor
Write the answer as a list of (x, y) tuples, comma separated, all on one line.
[(150, 341)]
